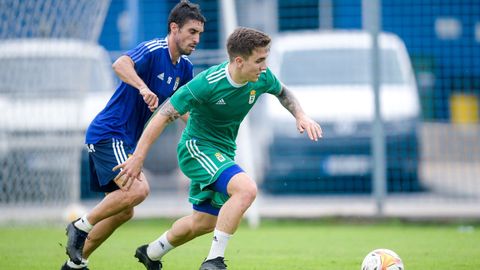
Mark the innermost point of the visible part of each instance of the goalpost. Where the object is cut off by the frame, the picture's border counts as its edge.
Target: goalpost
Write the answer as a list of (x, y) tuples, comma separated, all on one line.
[(49, 60)]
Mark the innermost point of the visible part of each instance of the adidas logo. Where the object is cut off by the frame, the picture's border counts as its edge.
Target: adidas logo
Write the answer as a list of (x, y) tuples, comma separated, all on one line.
[(221, 102), (91, 148), (161, 76)]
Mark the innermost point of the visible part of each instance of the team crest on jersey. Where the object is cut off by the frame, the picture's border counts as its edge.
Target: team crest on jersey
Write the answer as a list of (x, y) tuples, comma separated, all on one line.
[(177, 81), (220, 157), (252, 97)]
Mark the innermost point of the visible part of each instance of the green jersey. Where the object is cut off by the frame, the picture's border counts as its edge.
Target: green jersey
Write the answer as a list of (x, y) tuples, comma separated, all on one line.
[(217, 105)]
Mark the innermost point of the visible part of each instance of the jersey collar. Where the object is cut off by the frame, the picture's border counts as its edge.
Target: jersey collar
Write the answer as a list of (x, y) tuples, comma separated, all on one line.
[(230, 80)]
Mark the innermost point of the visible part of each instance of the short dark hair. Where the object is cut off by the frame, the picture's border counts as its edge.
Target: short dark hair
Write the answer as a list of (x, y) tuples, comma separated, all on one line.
[(244, 40), (183, 12)]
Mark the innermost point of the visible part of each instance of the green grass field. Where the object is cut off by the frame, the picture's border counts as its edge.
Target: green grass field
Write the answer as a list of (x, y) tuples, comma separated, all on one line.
[(276, 245)]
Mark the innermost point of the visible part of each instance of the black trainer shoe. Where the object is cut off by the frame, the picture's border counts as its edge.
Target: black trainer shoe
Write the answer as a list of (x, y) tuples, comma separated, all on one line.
[(214, 264), (66, 267), (141, 255), (75, 242)]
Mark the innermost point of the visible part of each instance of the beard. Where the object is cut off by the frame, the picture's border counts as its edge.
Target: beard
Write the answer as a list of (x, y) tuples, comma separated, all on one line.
[(183, 51)]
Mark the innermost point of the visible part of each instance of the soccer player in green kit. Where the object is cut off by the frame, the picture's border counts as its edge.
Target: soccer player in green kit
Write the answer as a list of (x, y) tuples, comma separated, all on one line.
[(218, 99)]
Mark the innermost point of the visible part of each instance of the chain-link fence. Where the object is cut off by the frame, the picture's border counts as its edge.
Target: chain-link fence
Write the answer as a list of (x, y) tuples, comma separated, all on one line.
[(429, 87), (51, 71), (430, 65)]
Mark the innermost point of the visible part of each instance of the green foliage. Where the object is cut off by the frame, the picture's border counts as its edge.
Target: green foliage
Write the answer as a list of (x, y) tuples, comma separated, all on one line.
[(279, 245)]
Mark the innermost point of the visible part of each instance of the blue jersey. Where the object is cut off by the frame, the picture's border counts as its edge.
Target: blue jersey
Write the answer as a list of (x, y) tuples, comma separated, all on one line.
[(126, 113)]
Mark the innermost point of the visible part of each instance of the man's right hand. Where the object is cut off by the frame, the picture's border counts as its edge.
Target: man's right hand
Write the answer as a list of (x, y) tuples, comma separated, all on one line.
[(149, 98), (124, 183), (130, 171)]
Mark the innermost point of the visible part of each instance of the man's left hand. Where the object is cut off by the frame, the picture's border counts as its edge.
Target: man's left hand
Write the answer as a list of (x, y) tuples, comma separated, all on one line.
[(305, 123)]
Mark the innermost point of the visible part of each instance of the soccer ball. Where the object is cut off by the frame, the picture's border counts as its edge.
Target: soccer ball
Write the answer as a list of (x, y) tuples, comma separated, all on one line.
[(73, 211), (382, 259)]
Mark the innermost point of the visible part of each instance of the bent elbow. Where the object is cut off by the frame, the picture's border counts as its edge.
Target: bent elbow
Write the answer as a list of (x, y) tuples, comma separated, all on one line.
[(116, 66)]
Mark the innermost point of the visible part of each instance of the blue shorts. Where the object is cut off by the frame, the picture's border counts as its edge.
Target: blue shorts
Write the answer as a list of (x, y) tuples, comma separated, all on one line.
[(219, 186), (103, 157)]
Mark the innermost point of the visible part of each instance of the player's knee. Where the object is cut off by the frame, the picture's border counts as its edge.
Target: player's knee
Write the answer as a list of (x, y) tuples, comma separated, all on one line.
[(138, 194), (144, 191), (247, 194)]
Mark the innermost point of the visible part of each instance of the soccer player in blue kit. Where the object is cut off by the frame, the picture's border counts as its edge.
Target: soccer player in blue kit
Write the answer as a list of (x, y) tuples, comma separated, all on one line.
[(150, 73)]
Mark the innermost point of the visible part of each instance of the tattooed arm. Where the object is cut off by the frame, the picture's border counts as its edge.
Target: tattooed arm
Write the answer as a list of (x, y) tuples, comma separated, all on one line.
[(132, 167), (304, 123), (288, 100)]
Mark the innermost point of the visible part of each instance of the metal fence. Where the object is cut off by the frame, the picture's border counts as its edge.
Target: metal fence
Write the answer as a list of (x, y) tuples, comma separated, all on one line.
[(431, 156), (432, 138), (49, 63)]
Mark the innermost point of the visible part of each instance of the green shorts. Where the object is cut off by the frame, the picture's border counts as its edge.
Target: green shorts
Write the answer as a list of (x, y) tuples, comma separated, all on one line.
[(203, 164)]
